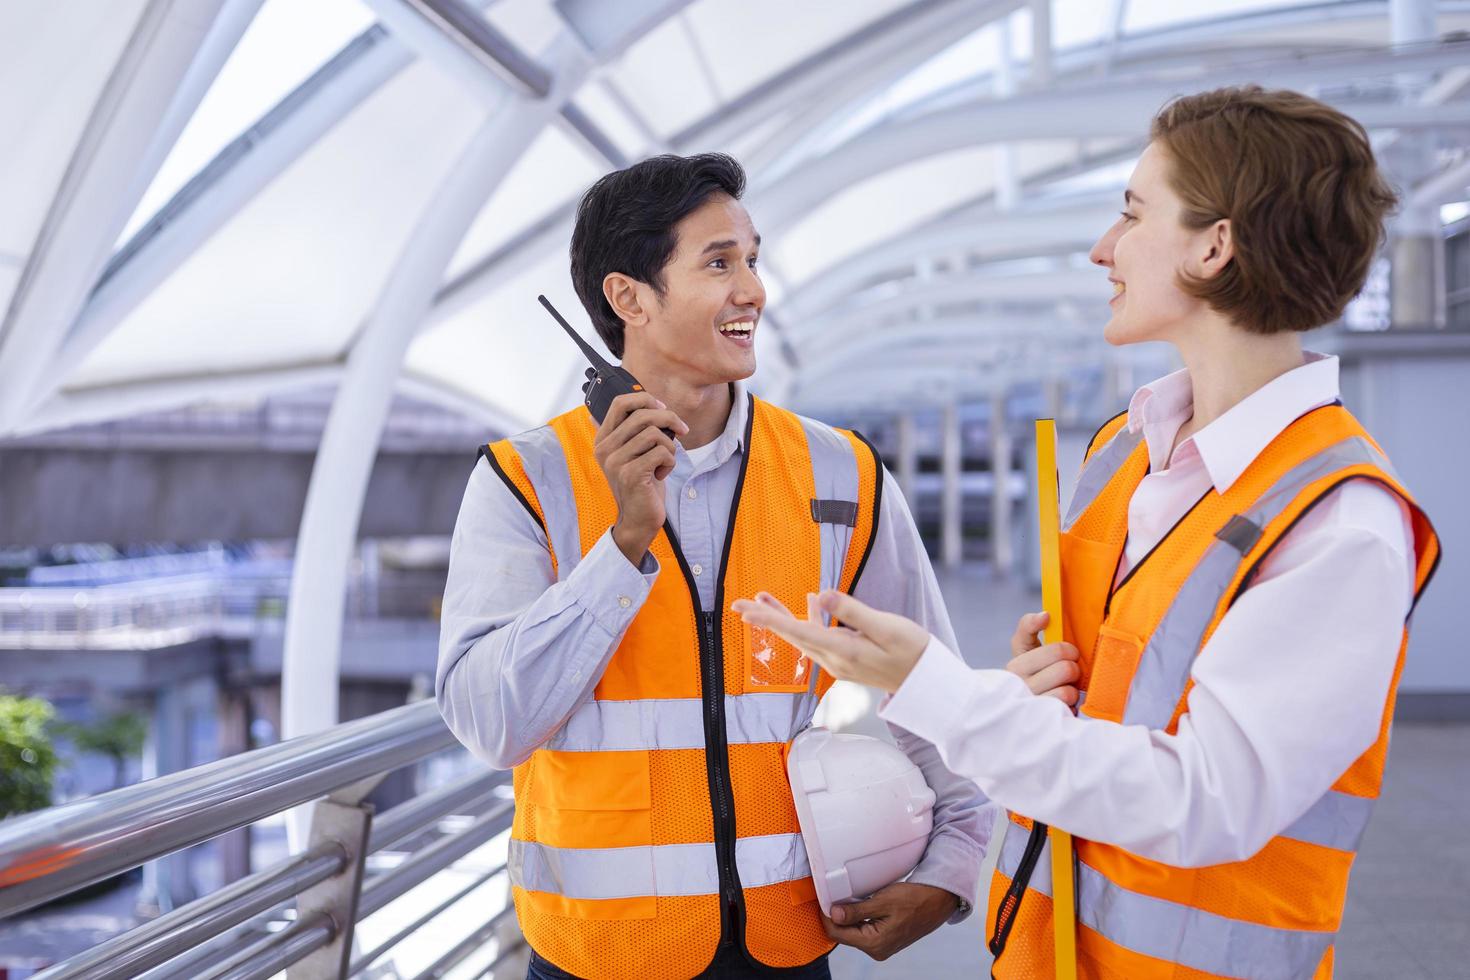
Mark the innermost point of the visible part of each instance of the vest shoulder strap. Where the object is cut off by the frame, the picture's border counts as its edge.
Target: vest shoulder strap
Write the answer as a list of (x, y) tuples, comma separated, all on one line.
[(507, 464), (858, 451), (1105, 432)]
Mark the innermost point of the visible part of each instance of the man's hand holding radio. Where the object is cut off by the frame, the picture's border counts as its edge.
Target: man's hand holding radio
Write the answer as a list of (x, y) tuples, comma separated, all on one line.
[(637, 457)]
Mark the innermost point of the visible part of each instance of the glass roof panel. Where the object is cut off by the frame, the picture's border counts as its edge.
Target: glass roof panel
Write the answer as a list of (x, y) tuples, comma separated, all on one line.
[(663, 79), (286, 42), (881, 207), (721, 33), (293, 274), (52, 69)]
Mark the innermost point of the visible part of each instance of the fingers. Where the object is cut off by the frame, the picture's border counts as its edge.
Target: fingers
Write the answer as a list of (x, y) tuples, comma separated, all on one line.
[(1032, 661), (1025, 638), (851, 612), (646, 451), (1067, 695), (836, 650), (850, 913), (1059, 674), (632, 414), (1048, 668), (640, 425), (625, 405)]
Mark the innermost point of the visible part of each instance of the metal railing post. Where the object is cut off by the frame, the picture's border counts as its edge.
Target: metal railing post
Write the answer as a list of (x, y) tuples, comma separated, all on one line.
[(342, 818)]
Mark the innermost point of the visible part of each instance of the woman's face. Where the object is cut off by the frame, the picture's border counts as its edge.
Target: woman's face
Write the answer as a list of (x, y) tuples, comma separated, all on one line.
[(1144, 252)]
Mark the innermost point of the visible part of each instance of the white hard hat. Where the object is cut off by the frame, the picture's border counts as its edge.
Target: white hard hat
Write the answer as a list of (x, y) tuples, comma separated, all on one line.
[(864, 809)]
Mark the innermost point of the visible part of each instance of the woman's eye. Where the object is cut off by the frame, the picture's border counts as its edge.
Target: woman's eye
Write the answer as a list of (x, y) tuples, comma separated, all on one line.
[(1127, 216)]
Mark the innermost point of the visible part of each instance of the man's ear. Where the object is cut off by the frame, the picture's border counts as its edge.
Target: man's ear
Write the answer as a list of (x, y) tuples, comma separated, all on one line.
[(1216, 250), (623, 294)]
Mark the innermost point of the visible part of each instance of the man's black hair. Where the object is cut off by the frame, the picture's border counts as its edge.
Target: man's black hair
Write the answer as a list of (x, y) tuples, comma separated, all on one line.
[(625, 223)]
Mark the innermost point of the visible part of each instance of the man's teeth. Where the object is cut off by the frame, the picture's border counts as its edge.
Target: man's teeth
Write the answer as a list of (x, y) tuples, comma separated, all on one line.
[(742, 329)]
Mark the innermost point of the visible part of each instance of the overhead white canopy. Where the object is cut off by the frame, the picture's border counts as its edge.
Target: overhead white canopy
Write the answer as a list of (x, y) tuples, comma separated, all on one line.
[(207, 200)]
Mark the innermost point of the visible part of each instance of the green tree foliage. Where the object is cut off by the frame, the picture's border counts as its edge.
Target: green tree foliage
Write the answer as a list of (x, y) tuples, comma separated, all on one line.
[(27, 757), (120, 737)]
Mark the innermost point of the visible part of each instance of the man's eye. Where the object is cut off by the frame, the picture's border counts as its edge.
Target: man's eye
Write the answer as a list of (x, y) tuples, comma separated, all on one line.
[(717, 263), (752, 261)]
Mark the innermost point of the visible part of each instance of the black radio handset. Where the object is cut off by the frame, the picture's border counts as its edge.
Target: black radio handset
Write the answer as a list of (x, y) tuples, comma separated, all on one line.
[(605, 381)]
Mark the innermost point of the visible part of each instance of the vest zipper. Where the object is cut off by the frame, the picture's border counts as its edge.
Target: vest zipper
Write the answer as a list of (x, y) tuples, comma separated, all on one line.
[(717, 752), (1010, 903), (721, 795)]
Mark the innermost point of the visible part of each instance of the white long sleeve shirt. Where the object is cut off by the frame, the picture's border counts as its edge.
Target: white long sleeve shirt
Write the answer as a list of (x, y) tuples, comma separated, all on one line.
[(1288, 692)]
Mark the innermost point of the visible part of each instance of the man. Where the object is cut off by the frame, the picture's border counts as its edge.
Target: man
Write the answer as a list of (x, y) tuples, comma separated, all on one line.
[(587, 641)]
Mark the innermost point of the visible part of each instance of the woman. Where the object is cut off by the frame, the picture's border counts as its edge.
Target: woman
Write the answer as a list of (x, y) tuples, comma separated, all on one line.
[(1238, 567)]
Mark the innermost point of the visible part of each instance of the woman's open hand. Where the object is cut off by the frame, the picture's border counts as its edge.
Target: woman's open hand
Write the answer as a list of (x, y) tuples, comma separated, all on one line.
[(870, 647)]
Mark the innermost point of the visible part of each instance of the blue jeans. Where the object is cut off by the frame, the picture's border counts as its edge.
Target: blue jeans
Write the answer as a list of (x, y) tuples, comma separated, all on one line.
[(728, 965)]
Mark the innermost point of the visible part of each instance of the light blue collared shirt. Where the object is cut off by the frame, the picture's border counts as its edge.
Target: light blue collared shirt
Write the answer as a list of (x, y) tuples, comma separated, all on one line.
[(519, 651)]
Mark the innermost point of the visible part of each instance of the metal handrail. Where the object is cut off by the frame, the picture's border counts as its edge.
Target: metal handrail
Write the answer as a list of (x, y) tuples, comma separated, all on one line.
[(181, 930), (53, 852), (367, 959), (300, 914), (391, 885)]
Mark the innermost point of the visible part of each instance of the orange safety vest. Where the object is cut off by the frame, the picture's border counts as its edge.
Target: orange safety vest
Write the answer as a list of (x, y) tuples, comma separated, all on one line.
[(1273, 915), (658, 821)]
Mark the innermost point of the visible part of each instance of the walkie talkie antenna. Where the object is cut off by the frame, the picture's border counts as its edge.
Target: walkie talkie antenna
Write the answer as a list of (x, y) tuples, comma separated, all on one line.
[(592, 355)]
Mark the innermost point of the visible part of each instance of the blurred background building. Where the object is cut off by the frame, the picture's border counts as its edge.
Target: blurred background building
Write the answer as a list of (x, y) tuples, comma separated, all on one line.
[(268, 273)]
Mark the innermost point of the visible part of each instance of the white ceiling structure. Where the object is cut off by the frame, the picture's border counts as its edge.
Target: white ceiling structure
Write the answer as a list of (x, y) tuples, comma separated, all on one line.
[(215, 199), (218, 200)]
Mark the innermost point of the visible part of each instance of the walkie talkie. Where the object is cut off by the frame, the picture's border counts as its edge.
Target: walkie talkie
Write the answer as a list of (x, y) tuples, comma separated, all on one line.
[(604, 381)]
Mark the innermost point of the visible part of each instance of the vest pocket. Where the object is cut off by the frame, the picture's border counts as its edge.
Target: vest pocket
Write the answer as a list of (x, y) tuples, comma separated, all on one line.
[(1115, 661), (583, 804), (1088, 567), (593, 799), (773, 665)]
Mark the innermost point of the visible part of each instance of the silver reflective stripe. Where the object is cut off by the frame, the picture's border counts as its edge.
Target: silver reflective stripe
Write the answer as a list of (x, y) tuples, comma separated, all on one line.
[(546, 466), (1163, 668), (678, 723), (1099, 471), (663, 870), (1177, 933), (771, 859), (1011, 851), (835, 477), (1337, 820)]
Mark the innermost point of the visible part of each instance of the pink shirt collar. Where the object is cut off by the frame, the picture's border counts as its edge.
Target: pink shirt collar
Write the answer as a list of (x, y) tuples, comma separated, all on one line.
[(1228, 445)]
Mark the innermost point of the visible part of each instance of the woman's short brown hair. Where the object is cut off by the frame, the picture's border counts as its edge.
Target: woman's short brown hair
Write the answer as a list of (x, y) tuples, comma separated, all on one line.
[(1305, 200)]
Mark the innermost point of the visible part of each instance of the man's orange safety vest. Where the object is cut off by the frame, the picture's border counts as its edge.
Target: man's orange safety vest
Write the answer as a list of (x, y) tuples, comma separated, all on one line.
[(1275, 914), (658, 821)]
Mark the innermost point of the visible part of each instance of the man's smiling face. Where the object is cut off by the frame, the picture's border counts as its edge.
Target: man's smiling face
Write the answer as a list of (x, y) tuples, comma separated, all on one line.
[(702, 327)]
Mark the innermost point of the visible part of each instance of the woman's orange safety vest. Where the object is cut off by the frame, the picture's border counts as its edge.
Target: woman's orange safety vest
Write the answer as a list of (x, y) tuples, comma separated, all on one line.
[(1273, 915), (658, 822)]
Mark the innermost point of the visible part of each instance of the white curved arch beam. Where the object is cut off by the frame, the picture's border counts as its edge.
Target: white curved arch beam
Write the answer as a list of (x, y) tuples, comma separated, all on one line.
[(1039, 288), (873, 53), (1054, 230), (955, 334), (1120, 108)]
